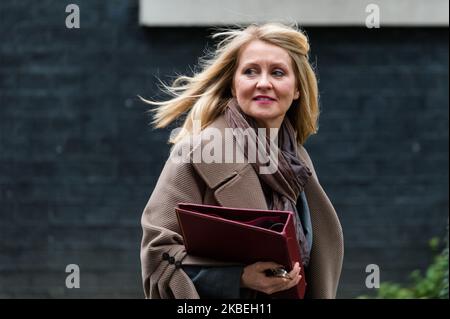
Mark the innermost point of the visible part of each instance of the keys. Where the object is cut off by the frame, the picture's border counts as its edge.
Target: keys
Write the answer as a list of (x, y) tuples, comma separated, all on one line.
[(277, 272)]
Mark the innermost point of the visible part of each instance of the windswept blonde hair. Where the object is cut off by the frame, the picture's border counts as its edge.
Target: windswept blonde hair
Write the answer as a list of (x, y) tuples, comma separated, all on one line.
[(205, 94)]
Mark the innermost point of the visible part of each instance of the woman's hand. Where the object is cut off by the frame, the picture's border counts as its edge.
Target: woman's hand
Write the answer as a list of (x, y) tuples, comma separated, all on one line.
[(253, 277)]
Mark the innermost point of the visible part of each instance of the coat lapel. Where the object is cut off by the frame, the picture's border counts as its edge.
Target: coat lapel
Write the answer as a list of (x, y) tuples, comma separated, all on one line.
[(234, 184), (242, 190)]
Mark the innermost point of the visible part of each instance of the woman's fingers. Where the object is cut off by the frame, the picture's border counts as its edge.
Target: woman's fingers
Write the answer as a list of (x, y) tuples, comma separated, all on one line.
[(295, 271), (275, 284), (295, 276), (285, 283)]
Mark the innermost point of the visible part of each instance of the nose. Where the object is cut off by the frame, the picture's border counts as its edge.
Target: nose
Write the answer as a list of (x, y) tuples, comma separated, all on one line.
[(263, 82)]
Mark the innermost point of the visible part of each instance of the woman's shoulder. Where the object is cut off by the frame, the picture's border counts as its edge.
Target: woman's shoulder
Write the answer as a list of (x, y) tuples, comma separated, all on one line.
[(304, 155), (211, 153), (303, 152), (213, 137)]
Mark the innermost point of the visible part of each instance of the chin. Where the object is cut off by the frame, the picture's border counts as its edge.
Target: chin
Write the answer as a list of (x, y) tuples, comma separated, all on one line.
[(258, 115)]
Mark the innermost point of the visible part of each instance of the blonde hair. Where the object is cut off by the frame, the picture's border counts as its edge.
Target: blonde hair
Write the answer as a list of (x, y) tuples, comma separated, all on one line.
[(205, 94)]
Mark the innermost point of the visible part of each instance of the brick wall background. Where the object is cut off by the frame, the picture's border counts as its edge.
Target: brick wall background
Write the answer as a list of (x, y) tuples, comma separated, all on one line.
[(78, 159)]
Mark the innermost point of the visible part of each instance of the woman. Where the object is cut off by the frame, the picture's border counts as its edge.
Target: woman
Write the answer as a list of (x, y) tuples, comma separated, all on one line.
[(258, 78)]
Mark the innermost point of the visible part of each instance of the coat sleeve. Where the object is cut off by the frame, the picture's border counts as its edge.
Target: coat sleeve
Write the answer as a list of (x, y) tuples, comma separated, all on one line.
[(327, 251), (162, 247)]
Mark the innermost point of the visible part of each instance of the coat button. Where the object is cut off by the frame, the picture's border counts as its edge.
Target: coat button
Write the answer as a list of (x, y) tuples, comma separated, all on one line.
[(165, 256), (178, 264), (171, 260)]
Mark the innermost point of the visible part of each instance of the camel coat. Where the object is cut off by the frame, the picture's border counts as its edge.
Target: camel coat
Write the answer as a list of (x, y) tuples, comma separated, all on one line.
[(233, 185)]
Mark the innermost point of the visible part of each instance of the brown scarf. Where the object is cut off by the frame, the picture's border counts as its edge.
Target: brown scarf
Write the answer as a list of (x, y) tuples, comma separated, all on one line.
[(283, 187)]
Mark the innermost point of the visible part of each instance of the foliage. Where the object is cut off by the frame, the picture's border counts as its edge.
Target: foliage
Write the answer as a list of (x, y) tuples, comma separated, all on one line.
[(433, 284)]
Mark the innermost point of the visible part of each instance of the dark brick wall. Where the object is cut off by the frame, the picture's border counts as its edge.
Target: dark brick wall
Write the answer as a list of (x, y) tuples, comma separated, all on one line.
[(78, 159)]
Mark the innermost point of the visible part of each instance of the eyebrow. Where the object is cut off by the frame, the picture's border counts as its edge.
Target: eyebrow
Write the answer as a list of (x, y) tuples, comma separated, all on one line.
[(281, 64)]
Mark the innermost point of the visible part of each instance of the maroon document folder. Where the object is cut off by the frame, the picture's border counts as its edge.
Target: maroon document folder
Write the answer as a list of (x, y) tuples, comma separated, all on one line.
[(243, 236)]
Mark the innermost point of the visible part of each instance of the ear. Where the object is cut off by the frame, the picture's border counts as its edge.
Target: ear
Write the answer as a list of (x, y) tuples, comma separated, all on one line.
[(296, 94)]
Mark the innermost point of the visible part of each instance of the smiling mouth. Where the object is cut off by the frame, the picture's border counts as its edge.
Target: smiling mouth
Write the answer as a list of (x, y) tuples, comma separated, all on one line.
[(263, 99)]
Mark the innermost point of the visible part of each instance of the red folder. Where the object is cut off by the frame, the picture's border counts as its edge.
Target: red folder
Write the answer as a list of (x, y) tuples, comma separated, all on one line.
[(242, 236)]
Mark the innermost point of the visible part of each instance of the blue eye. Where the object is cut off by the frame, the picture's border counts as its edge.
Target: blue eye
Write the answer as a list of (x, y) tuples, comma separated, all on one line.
[(250, 71), (278, 73)]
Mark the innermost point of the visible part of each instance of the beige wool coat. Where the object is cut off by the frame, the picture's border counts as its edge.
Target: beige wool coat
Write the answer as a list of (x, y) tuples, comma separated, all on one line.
[(231, 185)]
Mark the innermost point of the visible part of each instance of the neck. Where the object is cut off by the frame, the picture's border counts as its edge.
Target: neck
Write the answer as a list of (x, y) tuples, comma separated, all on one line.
[(272, 123)]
